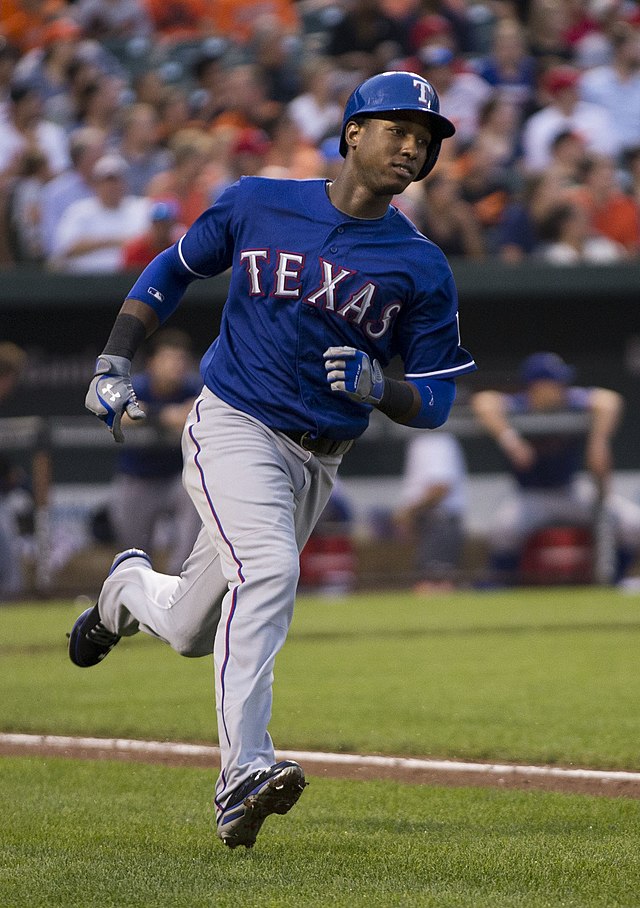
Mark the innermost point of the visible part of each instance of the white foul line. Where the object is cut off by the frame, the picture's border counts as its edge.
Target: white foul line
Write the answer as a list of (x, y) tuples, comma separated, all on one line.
[(169, 749)]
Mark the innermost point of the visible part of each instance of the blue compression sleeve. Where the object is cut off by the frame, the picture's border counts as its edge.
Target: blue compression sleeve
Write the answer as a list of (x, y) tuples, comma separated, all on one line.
[(163, 283), (438, 395)]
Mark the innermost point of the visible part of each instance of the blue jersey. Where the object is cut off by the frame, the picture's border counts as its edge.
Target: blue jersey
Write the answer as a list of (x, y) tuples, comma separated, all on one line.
[(559, 455), (307, 277)]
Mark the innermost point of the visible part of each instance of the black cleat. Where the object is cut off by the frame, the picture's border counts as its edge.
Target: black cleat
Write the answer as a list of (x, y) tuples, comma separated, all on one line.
[(273, 790), (90, 641)]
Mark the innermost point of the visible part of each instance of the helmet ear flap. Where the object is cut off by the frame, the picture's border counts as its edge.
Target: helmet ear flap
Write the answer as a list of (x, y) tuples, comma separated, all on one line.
[(433, 152)]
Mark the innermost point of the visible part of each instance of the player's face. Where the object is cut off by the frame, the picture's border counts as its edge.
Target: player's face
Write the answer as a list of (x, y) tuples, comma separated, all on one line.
[(390, 153)]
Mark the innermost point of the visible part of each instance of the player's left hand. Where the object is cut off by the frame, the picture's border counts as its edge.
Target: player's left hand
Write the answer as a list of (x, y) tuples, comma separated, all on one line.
[(111, 394), (351, 371)]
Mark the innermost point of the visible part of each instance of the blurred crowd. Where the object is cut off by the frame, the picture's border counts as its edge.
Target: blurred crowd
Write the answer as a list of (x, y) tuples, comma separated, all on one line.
[(121, 120)]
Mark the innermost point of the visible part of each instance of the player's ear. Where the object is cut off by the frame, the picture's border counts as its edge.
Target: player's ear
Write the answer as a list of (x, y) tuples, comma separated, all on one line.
[(352, 133)]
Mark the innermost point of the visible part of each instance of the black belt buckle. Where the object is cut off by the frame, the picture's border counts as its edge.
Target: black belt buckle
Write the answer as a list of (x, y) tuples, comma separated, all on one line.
[(322, 446), (307, 442)]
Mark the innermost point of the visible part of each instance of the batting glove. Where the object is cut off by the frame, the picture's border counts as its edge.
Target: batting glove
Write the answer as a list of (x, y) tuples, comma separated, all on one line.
[(111, 393), (351, 371)]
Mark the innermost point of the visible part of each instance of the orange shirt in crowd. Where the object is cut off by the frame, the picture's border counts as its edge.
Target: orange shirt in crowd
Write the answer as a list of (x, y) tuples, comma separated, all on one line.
[(237, 19), (181, 18), (24, 22), (617, 218)]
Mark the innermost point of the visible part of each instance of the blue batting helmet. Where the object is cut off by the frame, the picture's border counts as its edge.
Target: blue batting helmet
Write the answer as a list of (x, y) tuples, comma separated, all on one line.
[(395, 92)]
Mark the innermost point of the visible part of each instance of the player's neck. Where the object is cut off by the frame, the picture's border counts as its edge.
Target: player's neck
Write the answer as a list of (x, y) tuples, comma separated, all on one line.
[(356, 201)]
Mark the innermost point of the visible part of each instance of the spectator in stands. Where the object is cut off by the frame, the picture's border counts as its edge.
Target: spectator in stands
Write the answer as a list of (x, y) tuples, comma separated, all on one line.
[(91, 232), (611, 212), (568, 239), (431, 28), (46, 68), (462, 92), (616, 86), (164, 230), (86, 145), (365, 39), (547, 25), (181, 20), (565, 111), (99, 104), (9, 56), (149, 87), (24, 22), (568, 153), (433, 504), (498, 132), (174, 114), (102, 19), (277, 56), (26, 130), (208, 72), (545, 465), (631, 172), (140, 148), (248, 154), (147, 485), (485, 187), (240, 20), (25, 226), (185, 182), (315, 111), (246, 100), (12, 361), (516, 233), (61, 64), (509, 68), (447, 219)]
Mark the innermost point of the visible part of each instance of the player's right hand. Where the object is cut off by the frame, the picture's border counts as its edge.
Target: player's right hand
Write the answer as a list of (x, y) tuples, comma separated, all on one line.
[(111, 394)]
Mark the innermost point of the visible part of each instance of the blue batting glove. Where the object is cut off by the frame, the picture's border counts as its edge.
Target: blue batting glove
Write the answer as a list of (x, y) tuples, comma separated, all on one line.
[(352, 372), (111, 394)]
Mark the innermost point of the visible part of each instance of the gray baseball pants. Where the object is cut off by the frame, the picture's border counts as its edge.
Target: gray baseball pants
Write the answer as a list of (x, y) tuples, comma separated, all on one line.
[(259, 495)]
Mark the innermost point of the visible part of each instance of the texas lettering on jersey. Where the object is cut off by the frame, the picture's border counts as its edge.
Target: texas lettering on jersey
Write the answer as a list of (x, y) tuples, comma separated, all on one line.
[(288, 285)]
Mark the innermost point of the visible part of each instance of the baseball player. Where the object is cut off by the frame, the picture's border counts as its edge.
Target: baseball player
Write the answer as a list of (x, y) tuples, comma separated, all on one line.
[(546, 466), (328, 282)]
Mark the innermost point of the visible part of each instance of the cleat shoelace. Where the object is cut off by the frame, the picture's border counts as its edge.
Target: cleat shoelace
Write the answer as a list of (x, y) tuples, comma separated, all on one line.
[(100, 635)]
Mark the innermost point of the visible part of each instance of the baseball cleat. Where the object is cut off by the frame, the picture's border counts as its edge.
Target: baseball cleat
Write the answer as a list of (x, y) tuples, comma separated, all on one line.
[(90, 641), (273, 790)]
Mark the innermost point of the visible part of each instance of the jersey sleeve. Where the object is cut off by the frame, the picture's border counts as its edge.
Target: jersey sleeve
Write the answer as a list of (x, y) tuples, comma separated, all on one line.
[(206, 249), (428, 335)]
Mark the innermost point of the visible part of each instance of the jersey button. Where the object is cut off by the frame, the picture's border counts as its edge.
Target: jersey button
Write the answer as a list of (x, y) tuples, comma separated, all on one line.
[(334, 249), (340, 229)]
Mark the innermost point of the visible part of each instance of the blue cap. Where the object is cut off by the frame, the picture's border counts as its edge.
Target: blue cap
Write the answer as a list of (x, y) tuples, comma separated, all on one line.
[(163, 211), (435, 55), (545, 366)]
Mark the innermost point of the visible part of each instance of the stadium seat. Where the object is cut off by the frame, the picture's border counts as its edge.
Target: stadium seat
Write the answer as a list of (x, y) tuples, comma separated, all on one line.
[(557, 555)]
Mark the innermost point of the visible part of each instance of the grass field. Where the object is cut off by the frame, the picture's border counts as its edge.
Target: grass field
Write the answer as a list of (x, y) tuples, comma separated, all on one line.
[(537, 676)]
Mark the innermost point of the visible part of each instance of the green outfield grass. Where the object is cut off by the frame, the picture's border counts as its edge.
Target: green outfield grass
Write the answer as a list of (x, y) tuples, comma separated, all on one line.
[(526, 676), (531, 676), (111, 835)]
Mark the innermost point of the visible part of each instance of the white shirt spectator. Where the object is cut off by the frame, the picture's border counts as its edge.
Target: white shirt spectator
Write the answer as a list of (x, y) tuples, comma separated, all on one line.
[(315, 121), (91, 232), (591, 122), (89, 218), (50, 138), (435, 458), (620, 98)]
